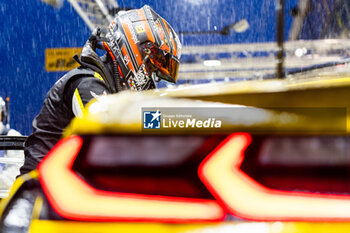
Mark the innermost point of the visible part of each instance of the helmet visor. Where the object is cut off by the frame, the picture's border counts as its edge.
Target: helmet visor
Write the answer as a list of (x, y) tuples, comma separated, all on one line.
[(165, 62)]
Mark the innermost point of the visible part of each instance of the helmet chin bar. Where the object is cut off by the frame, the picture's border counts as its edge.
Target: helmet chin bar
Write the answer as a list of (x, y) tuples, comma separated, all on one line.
[(157, 76), (147, 76)]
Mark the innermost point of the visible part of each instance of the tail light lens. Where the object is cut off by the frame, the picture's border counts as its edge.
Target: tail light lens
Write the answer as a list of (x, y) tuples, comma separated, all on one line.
[(72, 190), (188, 178), (245, 197)]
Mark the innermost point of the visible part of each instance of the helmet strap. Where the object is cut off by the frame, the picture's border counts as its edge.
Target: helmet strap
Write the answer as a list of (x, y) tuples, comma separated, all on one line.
[(117, 74)]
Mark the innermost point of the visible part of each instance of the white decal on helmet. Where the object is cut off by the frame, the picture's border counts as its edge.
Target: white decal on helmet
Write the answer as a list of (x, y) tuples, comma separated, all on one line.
[(140, 77), (132, 31), (126, 59)]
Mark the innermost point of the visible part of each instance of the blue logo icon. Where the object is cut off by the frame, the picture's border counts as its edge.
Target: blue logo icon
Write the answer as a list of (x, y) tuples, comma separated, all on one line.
[(151, 120)]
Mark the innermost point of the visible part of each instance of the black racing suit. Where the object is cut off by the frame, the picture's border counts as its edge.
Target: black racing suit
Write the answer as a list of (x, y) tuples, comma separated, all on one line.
[(62, 102)]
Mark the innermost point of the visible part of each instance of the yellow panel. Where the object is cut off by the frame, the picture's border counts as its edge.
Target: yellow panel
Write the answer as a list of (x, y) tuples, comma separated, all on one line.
[(61, 59), (308, 227), (39, 226), (125, 117), (319, 92), (315, 92)]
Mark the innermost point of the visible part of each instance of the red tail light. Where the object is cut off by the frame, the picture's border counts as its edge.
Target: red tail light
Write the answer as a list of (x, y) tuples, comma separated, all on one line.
[(246, 198), (73, 198), (75, 194)]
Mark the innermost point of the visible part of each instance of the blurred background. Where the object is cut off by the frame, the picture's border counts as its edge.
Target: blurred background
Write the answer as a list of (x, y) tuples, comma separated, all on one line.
[(223, 41)]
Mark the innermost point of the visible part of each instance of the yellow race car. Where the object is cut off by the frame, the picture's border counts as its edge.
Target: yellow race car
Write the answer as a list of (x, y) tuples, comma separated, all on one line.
[(278, 162)]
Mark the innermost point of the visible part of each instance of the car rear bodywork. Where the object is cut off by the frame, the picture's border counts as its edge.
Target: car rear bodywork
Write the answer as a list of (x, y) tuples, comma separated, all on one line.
[(287, 173)]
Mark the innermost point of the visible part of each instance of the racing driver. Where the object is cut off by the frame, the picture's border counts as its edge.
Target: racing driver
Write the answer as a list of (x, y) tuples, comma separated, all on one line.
[(140, 48)]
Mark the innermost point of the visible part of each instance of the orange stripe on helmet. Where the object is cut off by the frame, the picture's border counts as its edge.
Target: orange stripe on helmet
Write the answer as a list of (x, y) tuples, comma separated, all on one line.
[(172, 39), (132, 44), (149, 33), (162, 36)]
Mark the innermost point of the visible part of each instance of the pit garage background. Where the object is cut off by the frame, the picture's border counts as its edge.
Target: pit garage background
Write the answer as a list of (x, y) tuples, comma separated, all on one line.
[(38, 39)]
